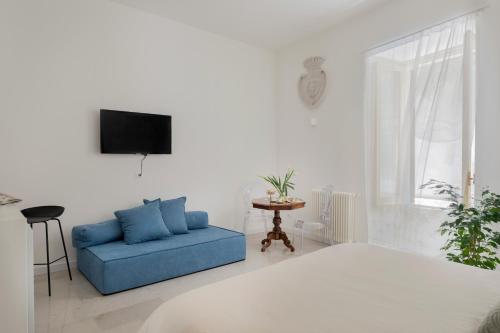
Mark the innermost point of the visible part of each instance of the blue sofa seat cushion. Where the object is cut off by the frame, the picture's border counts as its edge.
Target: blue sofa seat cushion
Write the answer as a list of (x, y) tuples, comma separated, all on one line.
[(142, 224), (120, 250), (94, 234), (174, 214), (114, 267)]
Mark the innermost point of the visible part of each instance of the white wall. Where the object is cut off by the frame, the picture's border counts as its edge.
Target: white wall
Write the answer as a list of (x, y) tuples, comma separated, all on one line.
[(488, 117), (62, 60), (66, 59), (332, 152)]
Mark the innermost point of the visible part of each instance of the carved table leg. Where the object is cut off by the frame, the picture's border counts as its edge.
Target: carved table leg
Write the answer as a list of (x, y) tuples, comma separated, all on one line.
[(287, 242), (265, 244), (276, 234)]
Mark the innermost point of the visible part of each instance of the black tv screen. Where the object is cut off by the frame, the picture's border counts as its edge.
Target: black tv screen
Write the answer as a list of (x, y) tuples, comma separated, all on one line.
[(125, 132)]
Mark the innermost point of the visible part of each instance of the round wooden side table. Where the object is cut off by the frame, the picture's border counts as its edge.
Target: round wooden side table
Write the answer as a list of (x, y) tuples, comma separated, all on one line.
[(277, 233)]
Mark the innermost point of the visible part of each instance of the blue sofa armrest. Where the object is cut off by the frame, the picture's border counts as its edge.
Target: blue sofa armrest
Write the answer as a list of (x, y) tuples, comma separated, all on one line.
[(94, 234), (197, 220)]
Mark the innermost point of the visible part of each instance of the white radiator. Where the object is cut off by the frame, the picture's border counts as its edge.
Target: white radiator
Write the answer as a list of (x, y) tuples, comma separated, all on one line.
[(344, 216)]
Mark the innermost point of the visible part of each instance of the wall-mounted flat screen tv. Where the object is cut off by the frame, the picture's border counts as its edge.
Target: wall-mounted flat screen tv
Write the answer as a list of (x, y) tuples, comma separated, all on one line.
[(124, 132)]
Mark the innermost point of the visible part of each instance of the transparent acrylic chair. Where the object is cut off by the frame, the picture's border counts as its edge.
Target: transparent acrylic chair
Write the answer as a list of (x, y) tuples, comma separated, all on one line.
[(324, 216), (253, 191)]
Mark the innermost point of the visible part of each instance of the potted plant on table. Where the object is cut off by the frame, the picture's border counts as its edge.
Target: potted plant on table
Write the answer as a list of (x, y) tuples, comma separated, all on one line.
[(282, 185)]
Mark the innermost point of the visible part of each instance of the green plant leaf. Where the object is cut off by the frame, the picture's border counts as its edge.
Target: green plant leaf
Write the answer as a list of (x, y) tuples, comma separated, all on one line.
[(470, 239), (282, 185)]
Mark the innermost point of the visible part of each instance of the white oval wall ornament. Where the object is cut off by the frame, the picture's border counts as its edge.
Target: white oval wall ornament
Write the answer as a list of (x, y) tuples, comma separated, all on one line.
[(312, 85)]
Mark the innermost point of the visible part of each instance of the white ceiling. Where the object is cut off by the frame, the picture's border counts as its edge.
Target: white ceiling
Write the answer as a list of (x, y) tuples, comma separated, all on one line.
[(265, 23)]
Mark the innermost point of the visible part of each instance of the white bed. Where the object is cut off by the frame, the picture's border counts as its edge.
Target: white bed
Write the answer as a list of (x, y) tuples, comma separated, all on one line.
[(346, 288)]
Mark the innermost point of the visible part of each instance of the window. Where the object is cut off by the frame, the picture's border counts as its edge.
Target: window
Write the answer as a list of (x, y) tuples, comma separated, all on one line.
[(421, 96)]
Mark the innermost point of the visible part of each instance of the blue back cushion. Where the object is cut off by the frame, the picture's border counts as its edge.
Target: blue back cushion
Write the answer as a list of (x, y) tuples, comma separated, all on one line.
[(173, 213), (95, 234), (197, 220), (142, 224)]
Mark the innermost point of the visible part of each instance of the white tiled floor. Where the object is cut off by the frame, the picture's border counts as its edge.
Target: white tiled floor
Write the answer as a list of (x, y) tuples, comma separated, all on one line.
[(76, 306)]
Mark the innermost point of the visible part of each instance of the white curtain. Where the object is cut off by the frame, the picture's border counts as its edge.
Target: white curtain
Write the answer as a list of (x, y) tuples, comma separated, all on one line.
[(419, 125)]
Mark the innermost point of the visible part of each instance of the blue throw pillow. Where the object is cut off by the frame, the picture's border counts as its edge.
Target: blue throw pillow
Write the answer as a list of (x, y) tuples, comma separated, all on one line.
[(173, 212), (142, 224)]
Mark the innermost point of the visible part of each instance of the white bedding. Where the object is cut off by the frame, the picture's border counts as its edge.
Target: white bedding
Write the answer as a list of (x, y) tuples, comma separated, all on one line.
[(346, 288)]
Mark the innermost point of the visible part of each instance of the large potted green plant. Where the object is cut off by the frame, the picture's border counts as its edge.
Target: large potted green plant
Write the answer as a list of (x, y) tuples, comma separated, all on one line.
[(471, 236)]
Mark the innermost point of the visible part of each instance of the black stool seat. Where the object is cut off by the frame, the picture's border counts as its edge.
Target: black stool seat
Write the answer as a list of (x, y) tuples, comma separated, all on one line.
[(44, 214)]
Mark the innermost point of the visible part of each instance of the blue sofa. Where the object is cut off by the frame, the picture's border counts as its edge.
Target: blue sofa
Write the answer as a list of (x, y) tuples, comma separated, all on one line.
[(113, 266)]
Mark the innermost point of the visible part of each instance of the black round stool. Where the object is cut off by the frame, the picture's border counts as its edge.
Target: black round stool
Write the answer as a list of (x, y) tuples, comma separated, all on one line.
[(44, 214)]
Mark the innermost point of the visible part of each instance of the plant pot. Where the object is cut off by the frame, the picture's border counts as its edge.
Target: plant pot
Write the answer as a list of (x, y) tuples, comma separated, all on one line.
[(281, 199)]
